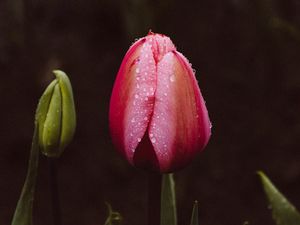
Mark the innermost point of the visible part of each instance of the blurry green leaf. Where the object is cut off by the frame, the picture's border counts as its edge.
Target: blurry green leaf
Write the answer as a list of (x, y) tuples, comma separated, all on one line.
[(168, 214), (284, 213), (194, 219), (114, 218), (23, 212)]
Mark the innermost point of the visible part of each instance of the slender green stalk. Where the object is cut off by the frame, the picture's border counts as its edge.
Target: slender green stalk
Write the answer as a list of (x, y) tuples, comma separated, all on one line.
[(154, 193), (56, 209), (23, 212), (168, 213)]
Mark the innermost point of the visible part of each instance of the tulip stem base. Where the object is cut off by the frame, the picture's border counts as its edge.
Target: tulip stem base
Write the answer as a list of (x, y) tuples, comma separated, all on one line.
[(154, 194), (56, 210)]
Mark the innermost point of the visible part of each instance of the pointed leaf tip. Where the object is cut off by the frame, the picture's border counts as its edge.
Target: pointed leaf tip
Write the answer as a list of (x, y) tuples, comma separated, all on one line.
[(283, 212), (194, 218)]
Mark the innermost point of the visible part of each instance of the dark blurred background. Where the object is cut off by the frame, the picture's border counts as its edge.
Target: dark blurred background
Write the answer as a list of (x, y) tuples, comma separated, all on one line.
[(247, 57)]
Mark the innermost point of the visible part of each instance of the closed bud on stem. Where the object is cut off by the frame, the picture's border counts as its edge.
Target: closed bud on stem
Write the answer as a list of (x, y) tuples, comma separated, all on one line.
[(55, 116)]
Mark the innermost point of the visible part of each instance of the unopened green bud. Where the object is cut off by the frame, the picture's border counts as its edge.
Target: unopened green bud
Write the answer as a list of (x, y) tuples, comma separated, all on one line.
[(55, 116)]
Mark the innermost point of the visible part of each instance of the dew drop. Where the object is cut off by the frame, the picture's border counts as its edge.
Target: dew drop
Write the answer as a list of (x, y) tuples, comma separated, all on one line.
[(165, 94), (151, 135), (137, 70), (139, 140), (145, 118), (132, 120), (136, 96), (153, 140), (172, 78)]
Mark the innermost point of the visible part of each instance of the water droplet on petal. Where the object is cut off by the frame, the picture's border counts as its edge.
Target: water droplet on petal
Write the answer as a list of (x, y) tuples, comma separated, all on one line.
[(172, 78), (153, 140), (139, 140), (136, 96), (137, 70)]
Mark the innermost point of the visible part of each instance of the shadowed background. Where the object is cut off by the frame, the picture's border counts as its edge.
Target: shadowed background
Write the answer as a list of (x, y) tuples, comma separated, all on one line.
[(247, 57)]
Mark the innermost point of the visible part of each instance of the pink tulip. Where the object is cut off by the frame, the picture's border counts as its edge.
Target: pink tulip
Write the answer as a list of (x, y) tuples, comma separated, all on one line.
[(158, 118)]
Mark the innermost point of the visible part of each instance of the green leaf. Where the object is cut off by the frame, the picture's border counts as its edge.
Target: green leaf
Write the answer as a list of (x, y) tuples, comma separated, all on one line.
[(23, 212), (113, 218), (284, 213), (168, 214), (194, 219)]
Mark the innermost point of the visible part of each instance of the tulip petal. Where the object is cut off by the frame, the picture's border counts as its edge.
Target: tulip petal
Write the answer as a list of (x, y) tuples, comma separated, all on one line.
[(52, 124), (132, 99), (68, 110), (179, 126)]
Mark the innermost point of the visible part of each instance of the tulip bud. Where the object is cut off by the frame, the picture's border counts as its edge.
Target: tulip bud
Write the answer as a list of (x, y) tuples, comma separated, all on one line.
[(55, 116), (158, 118)]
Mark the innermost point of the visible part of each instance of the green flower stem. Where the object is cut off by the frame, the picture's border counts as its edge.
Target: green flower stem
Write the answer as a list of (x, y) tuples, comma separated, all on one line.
[(168, 212), (23, 212), (154, 193), (56, 209)]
